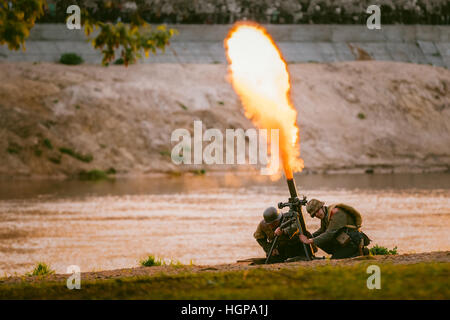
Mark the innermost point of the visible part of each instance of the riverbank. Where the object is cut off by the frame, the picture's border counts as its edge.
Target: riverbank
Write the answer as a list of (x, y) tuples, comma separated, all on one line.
[(408, 276), (91, 121)]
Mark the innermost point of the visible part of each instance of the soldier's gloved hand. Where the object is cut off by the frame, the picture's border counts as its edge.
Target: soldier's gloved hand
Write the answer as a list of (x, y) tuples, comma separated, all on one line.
[(305, 239), (275, 252), (278, 231)]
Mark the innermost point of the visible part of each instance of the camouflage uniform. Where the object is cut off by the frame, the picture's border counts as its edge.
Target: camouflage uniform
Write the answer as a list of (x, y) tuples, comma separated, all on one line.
[(345, 219), (289, 244)]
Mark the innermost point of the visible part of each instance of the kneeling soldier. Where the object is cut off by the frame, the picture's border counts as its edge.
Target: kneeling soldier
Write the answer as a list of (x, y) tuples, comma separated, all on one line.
[(289, 245), (339, 233)]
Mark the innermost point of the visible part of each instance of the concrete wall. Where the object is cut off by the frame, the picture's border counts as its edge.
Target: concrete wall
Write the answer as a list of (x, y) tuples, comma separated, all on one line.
[(424, 44)]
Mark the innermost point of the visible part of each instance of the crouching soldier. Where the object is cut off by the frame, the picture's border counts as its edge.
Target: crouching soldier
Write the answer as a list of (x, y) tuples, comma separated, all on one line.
[(289, 245), (339, 233)]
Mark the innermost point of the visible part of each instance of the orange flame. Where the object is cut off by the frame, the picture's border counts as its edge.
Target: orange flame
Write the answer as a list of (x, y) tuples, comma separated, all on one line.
[(259, 75)]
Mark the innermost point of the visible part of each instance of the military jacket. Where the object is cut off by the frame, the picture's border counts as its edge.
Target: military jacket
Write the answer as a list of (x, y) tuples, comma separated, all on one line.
[(265, 235), (331, 225)]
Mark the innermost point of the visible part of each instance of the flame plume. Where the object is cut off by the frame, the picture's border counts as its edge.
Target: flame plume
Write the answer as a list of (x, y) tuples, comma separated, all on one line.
[(259, 75)]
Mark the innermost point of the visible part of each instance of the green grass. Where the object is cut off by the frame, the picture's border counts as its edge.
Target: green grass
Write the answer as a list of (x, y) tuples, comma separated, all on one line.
[(111, 171), (165, 153), (379, 250), (151, 261), (41, 269), (76, 155), (93, 175), (182, 106), (70, 59), (199, 172), (409, 281), (55, 159), (13, 148), (96, 174), (47, 143), (361, 116), (119, 61)]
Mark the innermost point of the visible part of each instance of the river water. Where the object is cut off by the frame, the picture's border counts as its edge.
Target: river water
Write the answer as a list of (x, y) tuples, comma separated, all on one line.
[(203, 219)]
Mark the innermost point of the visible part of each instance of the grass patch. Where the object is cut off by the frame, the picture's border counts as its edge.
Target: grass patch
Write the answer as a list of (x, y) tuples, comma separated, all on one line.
[(84, 158), (176, 264), (96, 174), (379, 250), (182, 106), (151, 261), (165, 153), (361, 116), (408, 281), (41, 269), (111, 171), (55, 159), (119, 61), (93, 175), (199, 172), (71, 59), (47, 143), (13, 148)]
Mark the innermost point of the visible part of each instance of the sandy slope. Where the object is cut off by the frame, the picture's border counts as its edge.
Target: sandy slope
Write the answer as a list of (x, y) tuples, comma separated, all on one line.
[(124, 117)]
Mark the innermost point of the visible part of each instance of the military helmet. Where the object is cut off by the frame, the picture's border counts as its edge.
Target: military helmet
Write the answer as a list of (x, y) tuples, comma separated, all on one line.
[(313, 206), (271, 214)]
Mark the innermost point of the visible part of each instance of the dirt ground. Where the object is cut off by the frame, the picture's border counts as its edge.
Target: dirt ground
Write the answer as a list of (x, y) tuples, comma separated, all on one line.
[(429, 257), (354, 116)]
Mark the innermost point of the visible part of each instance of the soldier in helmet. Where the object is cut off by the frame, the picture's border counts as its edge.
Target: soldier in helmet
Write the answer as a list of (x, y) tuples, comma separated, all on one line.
[(339, 233), (289, 246)]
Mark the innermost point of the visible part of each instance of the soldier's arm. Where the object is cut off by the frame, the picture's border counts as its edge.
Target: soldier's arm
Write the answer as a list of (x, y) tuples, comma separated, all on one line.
[(318, 232), (264, 244), (338, 221), (261, 238)]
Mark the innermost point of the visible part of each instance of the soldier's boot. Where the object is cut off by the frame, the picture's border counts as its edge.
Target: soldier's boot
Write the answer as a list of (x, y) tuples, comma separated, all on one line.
[(366, 251), (361, 248)]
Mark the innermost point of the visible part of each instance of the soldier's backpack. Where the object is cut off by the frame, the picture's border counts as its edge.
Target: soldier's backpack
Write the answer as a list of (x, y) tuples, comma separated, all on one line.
[(357, 218)]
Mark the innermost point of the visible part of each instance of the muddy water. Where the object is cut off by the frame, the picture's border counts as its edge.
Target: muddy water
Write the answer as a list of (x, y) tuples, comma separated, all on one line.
[(207, 219)]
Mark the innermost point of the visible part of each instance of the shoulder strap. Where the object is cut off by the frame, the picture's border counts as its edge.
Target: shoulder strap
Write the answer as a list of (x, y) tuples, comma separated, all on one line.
[(330, 211)]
